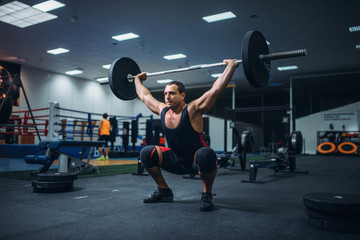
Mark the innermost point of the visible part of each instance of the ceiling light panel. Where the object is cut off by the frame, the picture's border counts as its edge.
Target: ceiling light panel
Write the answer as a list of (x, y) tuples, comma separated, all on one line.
[(175, 56), (219, 17), (74, 72), (22, 15), (163, 81), (48, 5), (126, 36), (42, 17), (216, 75), (354, 28), (102, 79), (287, 68), (12, 7), (57, 51)]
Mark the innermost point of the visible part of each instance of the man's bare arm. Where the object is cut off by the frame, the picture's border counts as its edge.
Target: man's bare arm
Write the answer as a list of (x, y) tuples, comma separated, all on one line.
[(207, 100), (145, 96)]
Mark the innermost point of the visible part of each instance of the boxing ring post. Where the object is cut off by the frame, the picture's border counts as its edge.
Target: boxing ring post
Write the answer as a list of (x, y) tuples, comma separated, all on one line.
[(53, 118)]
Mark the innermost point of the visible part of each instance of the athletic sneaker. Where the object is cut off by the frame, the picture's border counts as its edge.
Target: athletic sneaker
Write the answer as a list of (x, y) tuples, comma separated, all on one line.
[(206, 203), (160, 195), (107, 158), (100, 158)]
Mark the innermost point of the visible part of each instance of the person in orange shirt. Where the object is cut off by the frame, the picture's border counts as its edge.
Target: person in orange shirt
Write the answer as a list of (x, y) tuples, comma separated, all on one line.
[(104, 135)]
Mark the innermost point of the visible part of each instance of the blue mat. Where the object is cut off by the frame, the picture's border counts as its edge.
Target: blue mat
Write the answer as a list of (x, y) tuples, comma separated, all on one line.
[(18, 164)]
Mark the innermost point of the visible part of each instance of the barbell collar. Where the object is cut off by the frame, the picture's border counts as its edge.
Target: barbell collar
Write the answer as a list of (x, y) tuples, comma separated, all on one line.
[(282, 55), (130, 77)]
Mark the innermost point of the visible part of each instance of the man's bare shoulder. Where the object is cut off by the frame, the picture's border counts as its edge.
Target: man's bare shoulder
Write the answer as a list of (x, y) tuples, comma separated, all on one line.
[(161, 107), (193, 108)]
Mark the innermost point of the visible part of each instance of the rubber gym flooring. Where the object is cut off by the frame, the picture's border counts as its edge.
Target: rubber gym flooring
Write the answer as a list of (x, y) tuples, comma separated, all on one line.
[(111, 207)]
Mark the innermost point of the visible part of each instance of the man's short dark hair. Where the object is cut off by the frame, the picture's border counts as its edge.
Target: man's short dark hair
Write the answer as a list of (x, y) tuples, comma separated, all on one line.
[(105, 115), (181, 87)]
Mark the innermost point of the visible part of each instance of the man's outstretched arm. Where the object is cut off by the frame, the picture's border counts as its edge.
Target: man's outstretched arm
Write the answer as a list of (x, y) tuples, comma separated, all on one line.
[(207, 100), (145, 96)]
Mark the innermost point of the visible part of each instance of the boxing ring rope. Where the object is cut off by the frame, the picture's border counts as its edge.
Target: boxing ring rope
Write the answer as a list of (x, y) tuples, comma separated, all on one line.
[(20, 123), (56, 123), (83, 126)]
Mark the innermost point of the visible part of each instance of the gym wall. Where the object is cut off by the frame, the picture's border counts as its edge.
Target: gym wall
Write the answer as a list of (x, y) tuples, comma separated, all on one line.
[(216, 132), (74, 93)]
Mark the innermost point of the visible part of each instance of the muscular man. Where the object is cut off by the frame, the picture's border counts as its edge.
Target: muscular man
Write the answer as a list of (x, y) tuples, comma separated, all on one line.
[(104, 135), (182, 124)]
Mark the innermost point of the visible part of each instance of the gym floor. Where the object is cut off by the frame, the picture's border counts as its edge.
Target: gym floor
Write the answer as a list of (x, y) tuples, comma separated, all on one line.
[(111, 207)]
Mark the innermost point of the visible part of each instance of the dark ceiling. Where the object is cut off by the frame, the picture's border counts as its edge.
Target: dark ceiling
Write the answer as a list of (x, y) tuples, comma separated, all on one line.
[(173, 26)]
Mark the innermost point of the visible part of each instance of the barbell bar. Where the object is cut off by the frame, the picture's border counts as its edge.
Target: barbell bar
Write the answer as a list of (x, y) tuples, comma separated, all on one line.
[(255, 60), (271, 56), (178, 70)]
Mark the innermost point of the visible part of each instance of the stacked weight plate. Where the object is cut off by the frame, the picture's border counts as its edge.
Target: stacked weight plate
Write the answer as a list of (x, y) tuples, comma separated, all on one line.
[(54, 182), (338, 212)]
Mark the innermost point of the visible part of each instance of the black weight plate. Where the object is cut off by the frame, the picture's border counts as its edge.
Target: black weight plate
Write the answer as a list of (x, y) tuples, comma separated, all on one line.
[(332, 216), (56, 176), (118, 81), (253, 45), (296, 142), (333, 202), (52, 187), (5, 111), (335, 226)]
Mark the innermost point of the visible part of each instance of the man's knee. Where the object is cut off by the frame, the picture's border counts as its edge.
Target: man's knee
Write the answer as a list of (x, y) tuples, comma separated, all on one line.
[(205, 159), (149, 156)]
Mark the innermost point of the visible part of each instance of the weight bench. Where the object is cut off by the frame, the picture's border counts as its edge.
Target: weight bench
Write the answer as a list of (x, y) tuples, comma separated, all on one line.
[(38, 159), (67, 163), (278, 163), (274, 163)]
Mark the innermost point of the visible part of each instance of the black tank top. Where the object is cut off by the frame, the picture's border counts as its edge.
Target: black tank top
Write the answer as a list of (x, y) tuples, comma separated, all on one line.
[(183, 140)]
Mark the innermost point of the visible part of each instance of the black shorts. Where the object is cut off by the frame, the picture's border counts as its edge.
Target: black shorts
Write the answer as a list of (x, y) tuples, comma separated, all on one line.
[(105, 138), (177, 165), (203, 160)]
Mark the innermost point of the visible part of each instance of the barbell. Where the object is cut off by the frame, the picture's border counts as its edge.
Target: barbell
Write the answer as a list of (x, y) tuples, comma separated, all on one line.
[(255, 60)]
